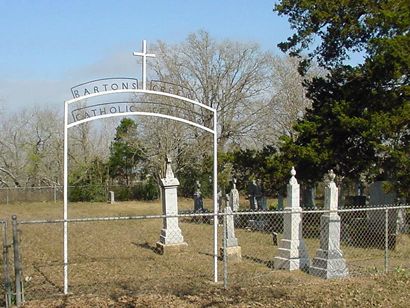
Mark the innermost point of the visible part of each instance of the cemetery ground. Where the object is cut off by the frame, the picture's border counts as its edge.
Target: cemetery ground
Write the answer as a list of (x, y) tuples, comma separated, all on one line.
[(114, 264)]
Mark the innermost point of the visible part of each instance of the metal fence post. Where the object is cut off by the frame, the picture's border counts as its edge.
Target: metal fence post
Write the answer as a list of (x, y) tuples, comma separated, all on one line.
[(7, 196), (17, 263), (7, 284), (55, 193), (386, 241), (225, 257)]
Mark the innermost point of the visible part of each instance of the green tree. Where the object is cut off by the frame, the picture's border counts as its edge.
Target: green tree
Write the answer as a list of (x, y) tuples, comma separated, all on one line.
[(359, 121), (125, 153), (266, 164), (87, 182)]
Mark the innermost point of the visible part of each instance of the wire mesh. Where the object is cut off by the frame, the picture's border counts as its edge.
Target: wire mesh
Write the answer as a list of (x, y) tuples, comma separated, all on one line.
[(30, 194), (55, 193), (119, 255), (370, 240)]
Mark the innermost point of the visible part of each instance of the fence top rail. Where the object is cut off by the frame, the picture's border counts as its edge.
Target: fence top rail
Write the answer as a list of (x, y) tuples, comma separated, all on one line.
[(30, 187), (112, 218), (364, 209), (182, 215), (381, 207), (57, 186)]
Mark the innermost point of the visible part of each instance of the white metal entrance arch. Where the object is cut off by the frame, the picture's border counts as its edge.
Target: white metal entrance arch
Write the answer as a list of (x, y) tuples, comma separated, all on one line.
[(75, 122)]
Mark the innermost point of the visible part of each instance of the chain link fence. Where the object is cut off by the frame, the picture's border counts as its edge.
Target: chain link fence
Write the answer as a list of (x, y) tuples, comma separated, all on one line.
[(371, 240), (119, 254), (115, 255), (31, 194), (139, 190)]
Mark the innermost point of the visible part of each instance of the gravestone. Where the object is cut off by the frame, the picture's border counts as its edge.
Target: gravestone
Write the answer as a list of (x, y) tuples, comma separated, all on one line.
[(257, 200), (280, 202), (112, 197), (171, 239), (260, 197), (292, 251), (329, 262), (309, 194), (233, 250), (220, 199), (234, 197), (252, 190), (198, 201), (377, 218)]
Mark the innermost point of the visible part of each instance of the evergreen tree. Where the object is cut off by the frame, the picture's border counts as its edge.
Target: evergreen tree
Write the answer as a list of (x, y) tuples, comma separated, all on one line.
[(359, 121), (125, 153)]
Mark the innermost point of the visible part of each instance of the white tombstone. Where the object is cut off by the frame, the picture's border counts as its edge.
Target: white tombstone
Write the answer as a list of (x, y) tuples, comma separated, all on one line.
[(234, 198), (292, 251), (329, 262), (171, 238), (112, 197), (233, 250)]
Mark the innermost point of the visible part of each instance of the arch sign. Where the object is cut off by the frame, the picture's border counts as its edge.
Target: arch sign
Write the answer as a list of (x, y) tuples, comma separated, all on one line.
[(98, 99)]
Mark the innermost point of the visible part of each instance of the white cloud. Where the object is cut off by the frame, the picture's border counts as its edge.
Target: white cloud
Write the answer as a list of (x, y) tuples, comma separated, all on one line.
[(116, 64), (18, 94)]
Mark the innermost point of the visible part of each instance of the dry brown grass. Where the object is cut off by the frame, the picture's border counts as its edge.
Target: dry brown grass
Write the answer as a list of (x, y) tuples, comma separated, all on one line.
[(114, 264)]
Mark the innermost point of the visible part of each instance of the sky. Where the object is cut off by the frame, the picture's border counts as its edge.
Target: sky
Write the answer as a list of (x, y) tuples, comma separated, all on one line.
[(48, 46)]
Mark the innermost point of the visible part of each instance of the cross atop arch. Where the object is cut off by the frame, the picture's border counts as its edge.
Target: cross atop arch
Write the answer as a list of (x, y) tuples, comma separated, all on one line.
[(144, 56)]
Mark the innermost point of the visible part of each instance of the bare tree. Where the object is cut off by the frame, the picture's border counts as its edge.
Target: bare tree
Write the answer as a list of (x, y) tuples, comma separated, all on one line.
[(289, 102), (163, 137), (46, 146), (231, 77), (258, 98), (31, 148)]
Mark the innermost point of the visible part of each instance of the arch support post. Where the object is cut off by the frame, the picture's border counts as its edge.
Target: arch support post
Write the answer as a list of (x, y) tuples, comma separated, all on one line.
[(65, 227), (215, 197)]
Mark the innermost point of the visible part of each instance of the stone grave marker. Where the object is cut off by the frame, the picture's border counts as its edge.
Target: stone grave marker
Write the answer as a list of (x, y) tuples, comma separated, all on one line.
[(292, 250), (377, 218), (112, 197), (171, 239), (198, 201), (329, 262), (234, 197), (260, 197), (280, 202), (253, 204), (233, 250), (308, 197)]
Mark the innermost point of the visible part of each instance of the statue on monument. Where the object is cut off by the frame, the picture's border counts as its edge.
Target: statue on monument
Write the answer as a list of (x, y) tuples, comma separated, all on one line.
[(234, 197), (198, 201), (169, 174)]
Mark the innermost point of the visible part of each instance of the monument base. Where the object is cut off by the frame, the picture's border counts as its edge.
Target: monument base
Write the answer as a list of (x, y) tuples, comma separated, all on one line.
[(328, 265), (292, 255), (170, 248), (233, 253), (291, 264)]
